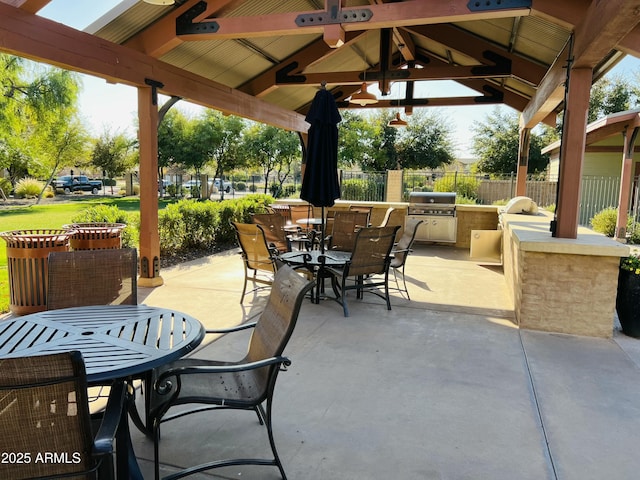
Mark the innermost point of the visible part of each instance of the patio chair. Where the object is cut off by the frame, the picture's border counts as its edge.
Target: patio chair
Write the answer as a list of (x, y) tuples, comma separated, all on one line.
[(369, 259), (298, 212), (387, 217), (401, 251), (247, 384), (258, 259), (92, 277), (362, 209), (273, 226), (345, 228), (43, 409)]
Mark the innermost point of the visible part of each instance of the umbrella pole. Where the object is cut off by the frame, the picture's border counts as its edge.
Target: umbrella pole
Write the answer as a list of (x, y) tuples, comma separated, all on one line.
[(323, 228)]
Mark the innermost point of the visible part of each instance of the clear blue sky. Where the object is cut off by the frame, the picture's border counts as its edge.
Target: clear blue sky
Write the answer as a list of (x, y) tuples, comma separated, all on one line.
[(114, 107)]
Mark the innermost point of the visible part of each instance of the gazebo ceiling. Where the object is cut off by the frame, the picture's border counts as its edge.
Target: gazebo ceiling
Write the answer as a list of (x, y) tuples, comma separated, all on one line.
[(280, 51)]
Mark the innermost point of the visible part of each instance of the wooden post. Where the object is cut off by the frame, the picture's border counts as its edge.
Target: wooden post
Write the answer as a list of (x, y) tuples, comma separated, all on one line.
[(149, 236), (625, 183), (523, 161), (572, 152)]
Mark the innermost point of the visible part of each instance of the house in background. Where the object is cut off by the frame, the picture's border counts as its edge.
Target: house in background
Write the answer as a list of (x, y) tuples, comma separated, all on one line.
[(609, 165)]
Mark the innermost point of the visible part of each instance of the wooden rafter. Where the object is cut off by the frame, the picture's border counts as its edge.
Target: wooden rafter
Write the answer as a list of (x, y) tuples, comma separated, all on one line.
[(42, 40), (605, 24), (386, 15)]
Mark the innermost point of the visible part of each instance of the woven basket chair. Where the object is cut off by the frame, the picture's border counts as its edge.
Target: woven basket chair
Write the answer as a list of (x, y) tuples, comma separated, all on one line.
[(92, 277), (401, 251), (241, 385), (370, 259), (44, 408)]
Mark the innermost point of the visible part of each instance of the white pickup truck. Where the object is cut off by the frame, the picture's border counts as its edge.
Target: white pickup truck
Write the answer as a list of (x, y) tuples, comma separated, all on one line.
[(228, 187)]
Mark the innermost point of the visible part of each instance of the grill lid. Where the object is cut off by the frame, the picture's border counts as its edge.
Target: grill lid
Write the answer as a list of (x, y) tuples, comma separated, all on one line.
[(432, 198)]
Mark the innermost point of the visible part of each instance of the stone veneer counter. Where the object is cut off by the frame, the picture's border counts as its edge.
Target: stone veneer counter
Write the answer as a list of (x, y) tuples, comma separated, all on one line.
[(559, 284)]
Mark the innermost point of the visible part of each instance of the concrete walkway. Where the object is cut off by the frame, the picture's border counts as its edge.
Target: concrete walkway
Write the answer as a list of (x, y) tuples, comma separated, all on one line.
[(440, 387)]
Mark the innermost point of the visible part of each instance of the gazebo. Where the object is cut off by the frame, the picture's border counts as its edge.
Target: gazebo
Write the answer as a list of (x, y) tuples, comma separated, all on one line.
[(264, 60)]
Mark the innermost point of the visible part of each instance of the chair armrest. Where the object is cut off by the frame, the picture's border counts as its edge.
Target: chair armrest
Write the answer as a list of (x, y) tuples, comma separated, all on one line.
[(162, 386), (104, 439), (238, 328)]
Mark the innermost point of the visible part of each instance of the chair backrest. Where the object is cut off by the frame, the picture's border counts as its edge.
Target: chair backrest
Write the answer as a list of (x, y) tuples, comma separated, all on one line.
[(92, 277), (387, 216), (298, 212), (371, 253), (44, 408), (255, 250), (362, 209), (284, 210), (273, 226), (275, 325), (345, 228), (402, 248)]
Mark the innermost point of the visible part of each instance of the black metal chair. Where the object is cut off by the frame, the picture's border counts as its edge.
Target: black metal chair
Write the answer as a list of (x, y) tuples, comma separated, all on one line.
[(43, 409), (246, 384), (370, 258), (401, 251)]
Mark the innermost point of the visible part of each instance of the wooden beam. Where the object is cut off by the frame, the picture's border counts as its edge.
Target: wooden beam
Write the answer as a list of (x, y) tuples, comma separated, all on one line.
[(386, 15), (298, 62), (160, 37), (403, 75), (42, 40), (29, 6), (604, 25), (466, 43)]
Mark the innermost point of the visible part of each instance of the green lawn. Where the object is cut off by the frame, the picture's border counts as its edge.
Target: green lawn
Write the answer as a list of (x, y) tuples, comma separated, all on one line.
[(50, 216)]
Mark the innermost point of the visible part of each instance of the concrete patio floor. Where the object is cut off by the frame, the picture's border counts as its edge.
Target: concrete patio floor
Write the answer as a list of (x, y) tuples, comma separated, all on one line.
[(440, 387)]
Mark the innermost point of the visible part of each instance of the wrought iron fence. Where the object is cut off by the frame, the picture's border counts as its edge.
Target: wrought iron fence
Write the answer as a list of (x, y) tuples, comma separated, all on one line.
[(597, 192)]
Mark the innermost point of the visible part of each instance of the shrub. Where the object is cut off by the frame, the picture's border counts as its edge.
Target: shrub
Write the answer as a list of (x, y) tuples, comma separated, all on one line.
[(109, 182), (191, 224), (605, 221), (240, 186), (358, 189), (112, 214), (462, 200), (28, 188), (5, 185), (462, 185)]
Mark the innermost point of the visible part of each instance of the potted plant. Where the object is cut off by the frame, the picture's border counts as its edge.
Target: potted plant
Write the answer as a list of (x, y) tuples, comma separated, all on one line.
[(628, 297)]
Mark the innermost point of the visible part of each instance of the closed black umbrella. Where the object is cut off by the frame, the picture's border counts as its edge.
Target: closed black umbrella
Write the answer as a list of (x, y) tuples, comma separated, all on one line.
[(320, 186)]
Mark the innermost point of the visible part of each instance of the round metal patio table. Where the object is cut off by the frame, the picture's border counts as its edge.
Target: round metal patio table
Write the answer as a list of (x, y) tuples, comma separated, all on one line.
[(118, 343)]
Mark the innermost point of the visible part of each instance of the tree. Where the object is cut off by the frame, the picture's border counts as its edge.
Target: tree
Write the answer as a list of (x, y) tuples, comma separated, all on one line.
[(496, 143), (113, 154), (267, 147), (373, 145), (171, 138), (225, 140), (38, 118), (612, 95), (426, 142)]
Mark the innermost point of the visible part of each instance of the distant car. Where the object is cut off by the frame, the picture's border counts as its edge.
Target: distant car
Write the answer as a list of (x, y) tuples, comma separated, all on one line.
[(74, 183), (191, 183), (228, 186)]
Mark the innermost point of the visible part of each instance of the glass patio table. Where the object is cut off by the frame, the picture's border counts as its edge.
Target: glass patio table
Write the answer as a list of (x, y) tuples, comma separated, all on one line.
[(315, 262)]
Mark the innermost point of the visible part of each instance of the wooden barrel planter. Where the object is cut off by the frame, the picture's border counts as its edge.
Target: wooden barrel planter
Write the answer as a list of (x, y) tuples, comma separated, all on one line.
[(27, 262), (95, 236)]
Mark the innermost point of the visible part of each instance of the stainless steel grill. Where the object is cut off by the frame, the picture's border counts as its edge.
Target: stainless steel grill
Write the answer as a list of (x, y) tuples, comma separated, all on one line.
[(432, 203), (437, 210)]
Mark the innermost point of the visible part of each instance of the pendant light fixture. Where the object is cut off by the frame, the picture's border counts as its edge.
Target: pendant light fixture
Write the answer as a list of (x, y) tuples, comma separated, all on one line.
[(363, 97), (159, 2), (397, 122)]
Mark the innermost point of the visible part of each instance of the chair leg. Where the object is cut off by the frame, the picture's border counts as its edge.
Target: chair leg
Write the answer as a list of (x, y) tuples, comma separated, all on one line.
[(272, 442), (386, 289), (343, 293), (404, 282), (244, 288)]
